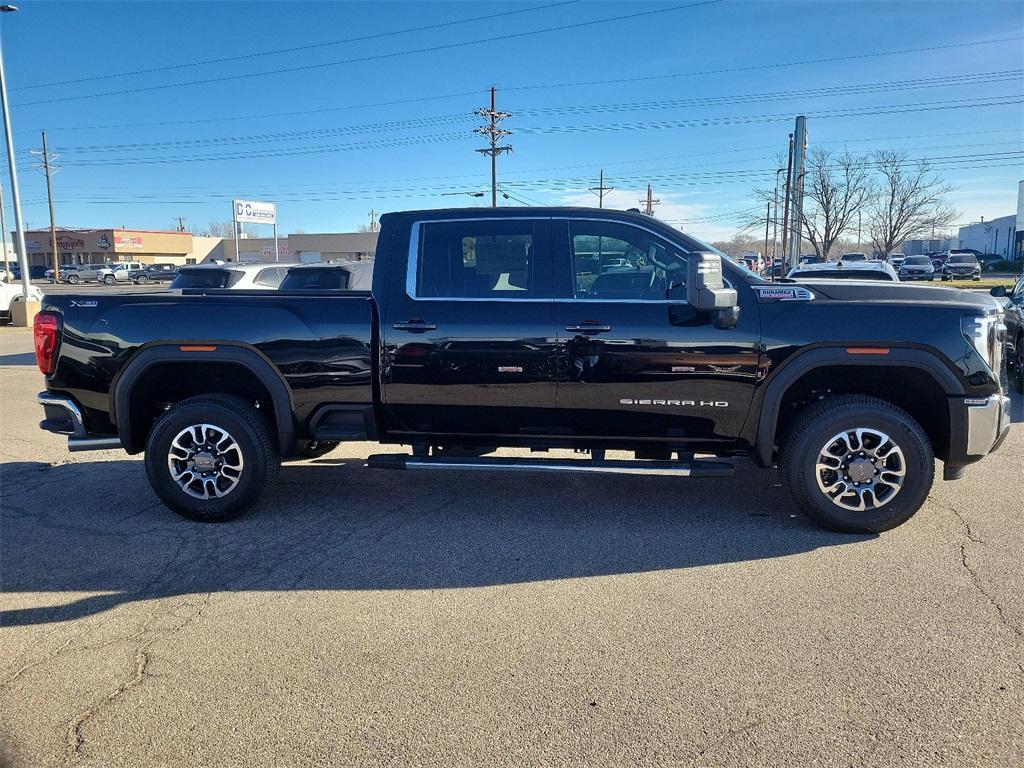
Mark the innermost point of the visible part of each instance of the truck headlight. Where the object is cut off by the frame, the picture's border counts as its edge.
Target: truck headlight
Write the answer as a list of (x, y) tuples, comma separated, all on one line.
[(986, 334)]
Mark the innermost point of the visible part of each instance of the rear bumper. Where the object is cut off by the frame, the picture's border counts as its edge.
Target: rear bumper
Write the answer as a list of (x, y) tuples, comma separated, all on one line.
[(62, 416)]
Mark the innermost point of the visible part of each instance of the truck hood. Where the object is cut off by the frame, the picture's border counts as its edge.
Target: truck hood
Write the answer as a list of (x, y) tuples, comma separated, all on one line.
[(877, 291)]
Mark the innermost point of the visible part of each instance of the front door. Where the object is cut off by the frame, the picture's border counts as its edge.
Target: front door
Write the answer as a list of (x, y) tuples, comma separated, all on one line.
[(470, 345), (638, 361)]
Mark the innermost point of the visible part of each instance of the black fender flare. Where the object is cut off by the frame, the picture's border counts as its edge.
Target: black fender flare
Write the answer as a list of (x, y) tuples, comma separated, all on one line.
[(788, 373), (245, 355)]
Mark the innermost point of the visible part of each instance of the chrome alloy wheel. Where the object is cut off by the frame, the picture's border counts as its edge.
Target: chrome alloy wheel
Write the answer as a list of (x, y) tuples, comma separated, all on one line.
[(205, 461), (860, 469)]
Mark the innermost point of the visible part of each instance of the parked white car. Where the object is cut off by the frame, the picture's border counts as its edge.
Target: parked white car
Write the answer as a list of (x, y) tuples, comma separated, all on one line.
[(10, 293), (234, 275)]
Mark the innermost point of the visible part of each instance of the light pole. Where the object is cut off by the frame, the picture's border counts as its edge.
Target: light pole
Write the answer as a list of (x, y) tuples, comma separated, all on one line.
[(454, 194), (15, 194), (775, 218)]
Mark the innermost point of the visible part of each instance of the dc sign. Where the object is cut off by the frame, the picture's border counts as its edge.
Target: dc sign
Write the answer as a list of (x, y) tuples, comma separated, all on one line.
[(254, 212)]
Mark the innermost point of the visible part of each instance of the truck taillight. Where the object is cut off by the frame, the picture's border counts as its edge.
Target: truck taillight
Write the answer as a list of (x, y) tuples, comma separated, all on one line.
[(46, 331)]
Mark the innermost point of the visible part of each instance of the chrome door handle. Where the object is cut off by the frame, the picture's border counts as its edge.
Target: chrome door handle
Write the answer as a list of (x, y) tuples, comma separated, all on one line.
[(415, 326), (587, 327)]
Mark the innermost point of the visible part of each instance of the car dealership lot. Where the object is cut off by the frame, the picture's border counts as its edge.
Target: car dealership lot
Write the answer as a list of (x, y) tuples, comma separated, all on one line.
[(367, 617)]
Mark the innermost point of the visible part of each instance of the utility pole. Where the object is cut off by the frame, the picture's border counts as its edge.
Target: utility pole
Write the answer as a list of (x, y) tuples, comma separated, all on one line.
[(775, 218), (785, 207), (181, 224), (373, 220), (858, 228), (600, 189), (767, 221), (799, 166), (3, 237), (48, 170), (649, 202), (494, 135)]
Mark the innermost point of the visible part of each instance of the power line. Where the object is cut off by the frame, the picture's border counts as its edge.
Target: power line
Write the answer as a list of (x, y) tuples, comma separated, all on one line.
[(297, 48), (846, 89), (402, 125), (832, 59), (374, 57)]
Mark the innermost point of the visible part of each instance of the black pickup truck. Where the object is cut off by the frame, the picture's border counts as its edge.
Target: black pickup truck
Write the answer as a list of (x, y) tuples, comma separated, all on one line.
[(540, 328)]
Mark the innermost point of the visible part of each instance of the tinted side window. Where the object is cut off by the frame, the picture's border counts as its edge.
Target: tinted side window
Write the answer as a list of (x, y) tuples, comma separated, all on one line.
[(617, 261), (315, 279), (481, 259), (202, 278), (272, 276)]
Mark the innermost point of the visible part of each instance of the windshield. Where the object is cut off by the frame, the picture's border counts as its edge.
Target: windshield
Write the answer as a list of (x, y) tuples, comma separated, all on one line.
[(739, 265), (205, 278), (853, 257), (961, 258), (841, 274), (920, 261)]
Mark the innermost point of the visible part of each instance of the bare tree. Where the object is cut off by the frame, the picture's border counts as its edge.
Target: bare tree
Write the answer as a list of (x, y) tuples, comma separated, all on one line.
[(836, 188), (910, 201), (218, 229)]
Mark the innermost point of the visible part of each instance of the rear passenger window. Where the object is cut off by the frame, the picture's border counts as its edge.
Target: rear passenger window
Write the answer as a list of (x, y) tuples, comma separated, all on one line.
[(271, 276), (482, 259)]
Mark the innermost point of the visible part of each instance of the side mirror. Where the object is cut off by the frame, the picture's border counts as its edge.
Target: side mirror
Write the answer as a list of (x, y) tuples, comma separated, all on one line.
[(705, 288), (998, 291), (706, 291)]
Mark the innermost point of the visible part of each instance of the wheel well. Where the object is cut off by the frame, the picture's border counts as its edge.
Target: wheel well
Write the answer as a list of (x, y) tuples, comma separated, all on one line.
[(164, 384), (909, 388)]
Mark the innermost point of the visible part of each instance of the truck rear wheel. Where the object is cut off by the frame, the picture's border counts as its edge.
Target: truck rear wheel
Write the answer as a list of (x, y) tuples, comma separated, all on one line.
[(211, 458), (858, 464)]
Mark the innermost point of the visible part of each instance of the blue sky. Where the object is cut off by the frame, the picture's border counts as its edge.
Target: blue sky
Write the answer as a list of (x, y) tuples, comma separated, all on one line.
[(136, 153)]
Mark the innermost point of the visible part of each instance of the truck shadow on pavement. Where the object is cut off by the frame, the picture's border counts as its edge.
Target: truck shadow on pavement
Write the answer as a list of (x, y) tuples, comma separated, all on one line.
[(333, 524)]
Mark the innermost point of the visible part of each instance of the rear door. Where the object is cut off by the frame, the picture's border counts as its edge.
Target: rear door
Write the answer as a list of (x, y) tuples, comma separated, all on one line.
[(639, 361), (469, 329)]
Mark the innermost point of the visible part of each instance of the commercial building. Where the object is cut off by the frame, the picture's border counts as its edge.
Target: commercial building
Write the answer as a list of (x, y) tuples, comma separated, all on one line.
[(921, 247), (338, 246), (97, 246), (997, 236)]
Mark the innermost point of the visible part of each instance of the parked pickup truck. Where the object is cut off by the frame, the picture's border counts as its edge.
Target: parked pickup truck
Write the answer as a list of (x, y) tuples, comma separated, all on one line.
[(493, 328)]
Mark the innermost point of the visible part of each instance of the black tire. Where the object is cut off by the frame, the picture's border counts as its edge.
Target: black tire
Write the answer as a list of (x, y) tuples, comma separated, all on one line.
[(109, 279), (253, 439), (314, 450), (141, 280), (813, 430), (73, 279)]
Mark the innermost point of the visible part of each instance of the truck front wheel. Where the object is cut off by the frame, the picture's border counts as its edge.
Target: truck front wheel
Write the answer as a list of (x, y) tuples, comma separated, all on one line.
[(211, 458), (858, 464)]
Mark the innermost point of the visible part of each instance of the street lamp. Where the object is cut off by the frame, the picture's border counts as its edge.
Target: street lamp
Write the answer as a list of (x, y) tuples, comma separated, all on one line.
[(471, 194), (15, 194)]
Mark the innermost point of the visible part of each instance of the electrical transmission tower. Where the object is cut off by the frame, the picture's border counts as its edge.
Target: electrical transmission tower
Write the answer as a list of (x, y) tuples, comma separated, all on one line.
[(494, 134), (48, 169), (373, 220), (600, 189), (649, 202), (181, 224)]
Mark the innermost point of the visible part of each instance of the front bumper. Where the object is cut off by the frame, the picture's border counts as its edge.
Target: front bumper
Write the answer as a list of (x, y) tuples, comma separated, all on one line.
[(988, 422), (62, 416)]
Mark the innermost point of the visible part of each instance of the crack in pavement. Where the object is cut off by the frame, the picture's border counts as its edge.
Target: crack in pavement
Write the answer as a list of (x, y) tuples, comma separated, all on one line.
[(727, 736), (75, 741), (979, 584)]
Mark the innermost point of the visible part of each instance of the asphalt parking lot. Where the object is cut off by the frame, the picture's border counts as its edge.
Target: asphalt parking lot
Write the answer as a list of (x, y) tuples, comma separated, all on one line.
[(365, 617)]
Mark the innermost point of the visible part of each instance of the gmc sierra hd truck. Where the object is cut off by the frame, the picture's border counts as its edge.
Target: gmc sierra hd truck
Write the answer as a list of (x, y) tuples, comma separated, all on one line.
[(539, 328)]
